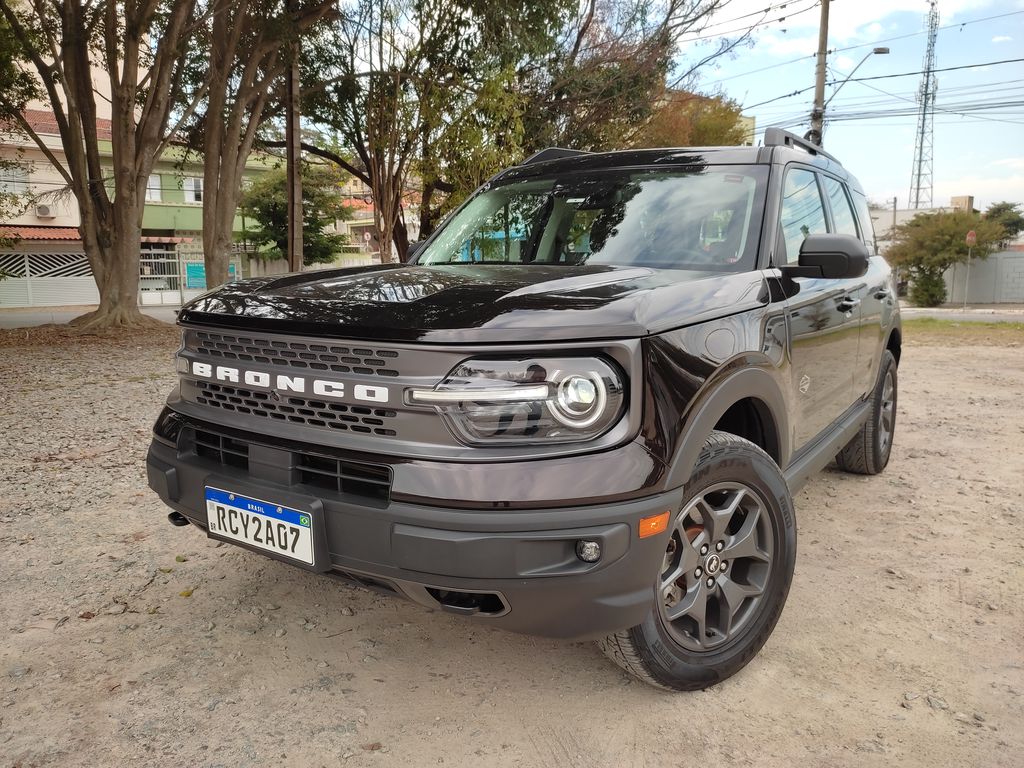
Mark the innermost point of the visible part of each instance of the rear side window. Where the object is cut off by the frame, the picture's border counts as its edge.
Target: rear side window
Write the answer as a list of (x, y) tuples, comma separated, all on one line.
[(860, 203), (842, 214), (802, 212)]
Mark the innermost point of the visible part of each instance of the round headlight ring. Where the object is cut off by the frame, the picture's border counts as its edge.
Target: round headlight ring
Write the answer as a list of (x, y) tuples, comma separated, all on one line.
[(573, 392)]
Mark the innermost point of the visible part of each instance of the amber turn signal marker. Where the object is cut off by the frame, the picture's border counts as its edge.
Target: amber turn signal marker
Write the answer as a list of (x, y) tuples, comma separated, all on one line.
[(651, 526)]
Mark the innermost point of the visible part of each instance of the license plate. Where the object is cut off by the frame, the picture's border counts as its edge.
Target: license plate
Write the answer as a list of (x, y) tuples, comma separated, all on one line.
[(261, 524)]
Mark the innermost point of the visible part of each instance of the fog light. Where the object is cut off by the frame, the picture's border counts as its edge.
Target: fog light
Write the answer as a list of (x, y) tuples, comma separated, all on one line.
[(588, 551)]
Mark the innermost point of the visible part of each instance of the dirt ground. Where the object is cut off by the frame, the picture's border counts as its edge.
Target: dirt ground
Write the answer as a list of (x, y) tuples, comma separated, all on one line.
[(128, 640)]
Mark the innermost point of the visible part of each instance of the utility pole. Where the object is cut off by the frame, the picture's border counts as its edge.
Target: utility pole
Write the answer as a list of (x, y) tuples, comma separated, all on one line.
[(293, 155), (818, 112)]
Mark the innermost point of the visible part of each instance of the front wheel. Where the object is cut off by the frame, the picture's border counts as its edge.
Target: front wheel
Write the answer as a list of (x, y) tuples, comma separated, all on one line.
[(725, 574)]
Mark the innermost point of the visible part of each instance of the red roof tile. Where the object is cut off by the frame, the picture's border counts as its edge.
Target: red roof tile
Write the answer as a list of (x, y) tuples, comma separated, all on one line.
[(43, 122), (40, 233)]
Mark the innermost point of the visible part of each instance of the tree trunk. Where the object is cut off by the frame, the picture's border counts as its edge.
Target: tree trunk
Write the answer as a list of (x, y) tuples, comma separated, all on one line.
[(118, 284), (400, 238), (426, 214)]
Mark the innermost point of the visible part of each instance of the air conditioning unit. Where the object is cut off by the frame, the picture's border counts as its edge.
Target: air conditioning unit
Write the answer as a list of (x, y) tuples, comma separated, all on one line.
[(45, 212)]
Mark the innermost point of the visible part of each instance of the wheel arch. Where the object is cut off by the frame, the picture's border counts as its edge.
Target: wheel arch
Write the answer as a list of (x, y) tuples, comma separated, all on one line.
[(749, 403), (895, 343)]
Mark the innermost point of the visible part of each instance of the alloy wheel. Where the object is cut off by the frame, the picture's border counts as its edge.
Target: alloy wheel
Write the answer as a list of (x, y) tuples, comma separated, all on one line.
[(716, 566), (887, 412)]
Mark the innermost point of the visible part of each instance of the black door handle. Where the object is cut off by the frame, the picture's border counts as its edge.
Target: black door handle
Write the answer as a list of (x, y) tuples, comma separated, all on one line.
[(847, 304)]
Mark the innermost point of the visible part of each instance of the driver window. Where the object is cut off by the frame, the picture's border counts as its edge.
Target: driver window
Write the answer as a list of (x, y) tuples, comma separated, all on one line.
[(802, 213)]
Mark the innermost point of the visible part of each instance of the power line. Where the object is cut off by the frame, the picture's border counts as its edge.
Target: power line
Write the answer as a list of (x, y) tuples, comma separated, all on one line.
[(700, 36), (884, 77), (924, 32), (762, 12), (864, 45)]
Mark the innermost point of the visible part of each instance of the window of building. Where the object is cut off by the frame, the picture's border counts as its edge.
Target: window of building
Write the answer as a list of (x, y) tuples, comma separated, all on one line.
[(193, 187), (802, 213), (13, 181), (153, 191)]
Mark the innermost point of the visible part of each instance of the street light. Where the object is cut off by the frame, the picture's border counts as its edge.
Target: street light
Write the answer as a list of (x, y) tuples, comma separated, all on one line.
[(817, 130), (879, 51)]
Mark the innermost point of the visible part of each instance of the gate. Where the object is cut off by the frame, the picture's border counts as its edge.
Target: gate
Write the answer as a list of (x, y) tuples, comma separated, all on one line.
[(46, 279), (177, 275)]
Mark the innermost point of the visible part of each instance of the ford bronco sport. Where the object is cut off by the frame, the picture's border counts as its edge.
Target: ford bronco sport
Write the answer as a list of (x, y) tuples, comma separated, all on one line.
[(579, 411)]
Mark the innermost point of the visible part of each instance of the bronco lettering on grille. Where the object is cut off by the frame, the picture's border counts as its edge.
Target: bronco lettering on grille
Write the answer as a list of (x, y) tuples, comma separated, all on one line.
[(321, 387)]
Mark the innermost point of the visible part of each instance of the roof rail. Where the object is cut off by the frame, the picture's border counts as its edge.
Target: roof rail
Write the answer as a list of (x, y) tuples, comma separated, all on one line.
[(553, 153), (776, 137)]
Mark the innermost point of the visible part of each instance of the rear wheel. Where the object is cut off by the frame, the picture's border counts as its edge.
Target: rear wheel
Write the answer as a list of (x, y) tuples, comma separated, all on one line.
[(725, 573), (868, 452)]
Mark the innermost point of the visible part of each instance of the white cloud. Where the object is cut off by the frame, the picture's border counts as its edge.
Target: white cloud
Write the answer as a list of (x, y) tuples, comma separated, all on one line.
[(1002, 39), (844, 63), (986, 189), (1013, 163)]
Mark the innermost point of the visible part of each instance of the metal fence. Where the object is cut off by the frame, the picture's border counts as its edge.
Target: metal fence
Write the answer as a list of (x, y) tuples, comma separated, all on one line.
[(177, 275)]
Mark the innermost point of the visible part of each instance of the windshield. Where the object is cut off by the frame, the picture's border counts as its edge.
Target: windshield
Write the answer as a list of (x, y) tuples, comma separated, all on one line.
[(704, 219)]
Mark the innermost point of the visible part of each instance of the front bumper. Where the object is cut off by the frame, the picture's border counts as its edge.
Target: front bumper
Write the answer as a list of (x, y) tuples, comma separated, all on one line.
[(512, 568)]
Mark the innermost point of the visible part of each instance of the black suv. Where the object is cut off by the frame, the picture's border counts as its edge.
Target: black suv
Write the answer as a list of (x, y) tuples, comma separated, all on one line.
[(579, 412)]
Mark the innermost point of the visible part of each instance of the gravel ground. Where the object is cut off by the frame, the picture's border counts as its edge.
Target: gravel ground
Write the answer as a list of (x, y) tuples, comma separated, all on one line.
[(126, 639)]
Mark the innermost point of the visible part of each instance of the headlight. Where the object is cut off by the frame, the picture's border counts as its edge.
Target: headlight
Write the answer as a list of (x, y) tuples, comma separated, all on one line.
[(529, 400)]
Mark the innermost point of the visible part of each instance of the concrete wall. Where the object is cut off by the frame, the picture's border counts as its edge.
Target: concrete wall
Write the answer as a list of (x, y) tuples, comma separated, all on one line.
[(999, 279), (270, 267)]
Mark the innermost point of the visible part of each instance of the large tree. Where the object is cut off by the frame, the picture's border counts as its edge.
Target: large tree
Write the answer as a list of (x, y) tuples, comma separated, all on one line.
[(682, 119), (402, 81), (930, 243), (242, 50), (593, 80), (265, 203), (1009, 216), (133, 51), (17, 87), (609, 70)]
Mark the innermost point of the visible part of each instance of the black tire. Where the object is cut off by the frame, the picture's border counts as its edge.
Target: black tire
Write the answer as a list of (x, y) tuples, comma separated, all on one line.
[(868, 452), (663, 651)]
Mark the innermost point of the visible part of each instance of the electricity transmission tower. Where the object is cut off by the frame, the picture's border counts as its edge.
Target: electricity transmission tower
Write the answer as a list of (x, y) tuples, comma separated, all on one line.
[(921, 175)]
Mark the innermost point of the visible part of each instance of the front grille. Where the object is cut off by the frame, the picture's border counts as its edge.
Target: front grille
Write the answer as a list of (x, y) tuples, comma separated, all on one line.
[(296, 354), (300, 410), (222, 449), (342, 476)]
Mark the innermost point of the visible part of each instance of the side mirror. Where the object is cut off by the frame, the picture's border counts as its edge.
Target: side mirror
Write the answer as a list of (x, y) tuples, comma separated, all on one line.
[(833, 257), (412, 250)]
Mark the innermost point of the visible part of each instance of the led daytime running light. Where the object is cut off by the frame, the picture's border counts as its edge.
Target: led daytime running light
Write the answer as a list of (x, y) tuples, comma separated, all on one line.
[(497, 395)]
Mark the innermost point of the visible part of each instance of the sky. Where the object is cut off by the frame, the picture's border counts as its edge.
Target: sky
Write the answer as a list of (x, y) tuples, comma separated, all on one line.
[(980, 154)]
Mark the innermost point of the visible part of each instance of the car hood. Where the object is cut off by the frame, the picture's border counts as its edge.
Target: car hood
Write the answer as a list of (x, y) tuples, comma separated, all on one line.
[(472, 303)]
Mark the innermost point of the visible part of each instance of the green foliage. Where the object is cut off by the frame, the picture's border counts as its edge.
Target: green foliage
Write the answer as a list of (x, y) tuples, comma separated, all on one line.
[(928, 289), (1009, 216), (692, 120), (266, 203), (931, 243), (17, 87)]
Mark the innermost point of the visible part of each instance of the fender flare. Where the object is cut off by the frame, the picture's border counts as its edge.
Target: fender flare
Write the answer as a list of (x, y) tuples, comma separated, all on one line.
[(709, 407)]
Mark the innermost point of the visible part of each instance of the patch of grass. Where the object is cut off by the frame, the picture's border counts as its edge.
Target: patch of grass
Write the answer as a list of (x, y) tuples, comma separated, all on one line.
[(933, 330)]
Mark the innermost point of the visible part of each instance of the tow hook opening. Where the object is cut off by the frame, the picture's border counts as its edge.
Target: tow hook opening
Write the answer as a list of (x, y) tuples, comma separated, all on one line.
[(468, 603), (178, 519)]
